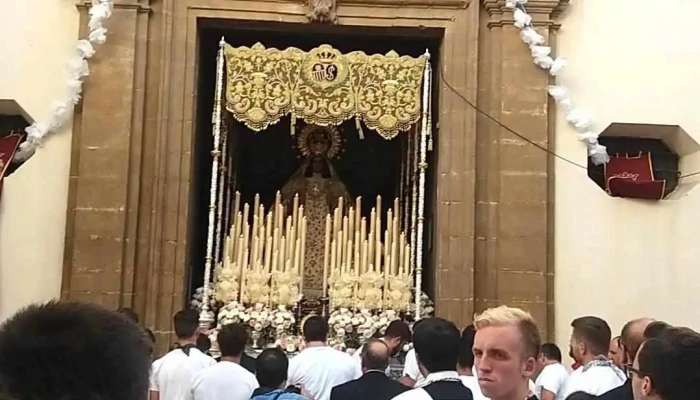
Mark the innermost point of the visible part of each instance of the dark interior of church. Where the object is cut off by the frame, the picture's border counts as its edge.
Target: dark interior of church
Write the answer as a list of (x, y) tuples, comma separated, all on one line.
[(266, 160)]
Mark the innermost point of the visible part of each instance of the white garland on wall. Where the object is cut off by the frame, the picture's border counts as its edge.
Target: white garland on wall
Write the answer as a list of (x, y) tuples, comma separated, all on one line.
[(542, 55), (62, 109)]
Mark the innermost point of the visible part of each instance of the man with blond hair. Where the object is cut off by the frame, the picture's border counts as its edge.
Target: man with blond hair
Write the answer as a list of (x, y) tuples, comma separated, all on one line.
[(506, 347)]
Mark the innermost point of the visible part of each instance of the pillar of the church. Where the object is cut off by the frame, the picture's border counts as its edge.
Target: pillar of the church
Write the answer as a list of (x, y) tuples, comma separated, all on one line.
[(106, 178), (514, 190)]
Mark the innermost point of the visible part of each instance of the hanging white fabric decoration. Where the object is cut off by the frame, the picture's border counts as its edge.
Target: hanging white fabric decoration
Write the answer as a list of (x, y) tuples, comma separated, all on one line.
[(522, 19), (77, 69), (542, 57)]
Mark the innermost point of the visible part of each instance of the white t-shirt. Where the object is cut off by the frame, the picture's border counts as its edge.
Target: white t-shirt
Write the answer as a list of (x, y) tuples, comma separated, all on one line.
[(552, 379), (319, 369), (224, 381), (357, 356), (472, 382), (595, 380), (410, 369), (172, 375)]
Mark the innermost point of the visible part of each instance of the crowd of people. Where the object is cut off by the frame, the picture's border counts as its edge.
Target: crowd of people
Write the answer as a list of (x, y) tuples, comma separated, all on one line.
[(67, 350)]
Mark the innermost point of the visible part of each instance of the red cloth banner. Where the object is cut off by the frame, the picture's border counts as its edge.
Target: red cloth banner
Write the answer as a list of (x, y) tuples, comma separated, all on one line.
[(632, 176), (8, 147)]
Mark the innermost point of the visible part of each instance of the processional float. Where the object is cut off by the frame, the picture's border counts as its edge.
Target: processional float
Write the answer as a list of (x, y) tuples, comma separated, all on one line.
[(255, 254)]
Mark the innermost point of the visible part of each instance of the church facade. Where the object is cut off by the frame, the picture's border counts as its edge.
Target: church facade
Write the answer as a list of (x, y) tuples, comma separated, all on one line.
[(511, 224)]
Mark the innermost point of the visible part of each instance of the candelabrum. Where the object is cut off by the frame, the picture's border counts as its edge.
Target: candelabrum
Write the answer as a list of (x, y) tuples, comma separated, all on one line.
[(362, 267)]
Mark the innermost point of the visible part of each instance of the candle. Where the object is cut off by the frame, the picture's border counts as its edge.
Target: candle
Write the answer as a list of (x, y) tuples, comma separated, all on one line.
[(402, 247), (379, 214), (394, 261), (348, 256), (326, 249), (256, 203), (268, 254), (268, 225), (357, 247), (261, 240), (336, 223), (378, 256), (237, 202), (239, 264), (340, 204), (358, 211), (303, 246), (407, 261), (283, 246), (297, 255), (275, 246), (290, 237), (365, 256), (295, 210), (372, 228), (351, 224), (278, 200), (237, 232), (275, 260), (332, 264)]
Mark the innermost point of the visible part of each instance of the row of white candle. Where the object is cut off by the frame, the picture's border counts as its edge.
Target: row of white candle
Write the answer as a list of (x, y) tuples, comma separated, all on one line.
[(350, 249), (272, 245)]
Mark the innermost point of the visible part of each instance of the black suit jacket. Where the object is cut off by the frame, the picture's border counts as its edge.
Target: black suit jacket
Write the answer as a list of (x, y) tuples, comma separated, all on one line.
[(373, 385), (623, 392)]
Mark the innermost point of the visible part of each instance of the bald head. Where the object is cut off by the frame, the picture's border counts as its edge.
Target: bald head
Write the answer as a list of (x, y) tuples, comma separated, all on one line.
[(375, 355), (633, 335)]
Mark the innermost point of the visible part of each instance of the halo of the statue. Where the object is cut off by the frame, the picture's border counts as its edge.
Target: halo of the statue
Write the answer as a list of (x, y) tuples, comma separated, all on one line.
[(334, 139)]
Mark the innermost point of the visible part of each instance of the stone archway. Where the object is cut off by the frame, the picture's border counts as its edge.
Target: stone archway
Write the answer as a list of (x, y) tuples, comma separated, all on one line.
[(126, 235)]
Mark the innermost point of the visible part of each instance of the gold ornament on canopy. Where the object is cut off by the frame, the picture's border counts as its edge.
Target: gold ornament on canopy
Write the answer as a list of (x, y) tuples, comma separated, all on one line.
[(323, 87)]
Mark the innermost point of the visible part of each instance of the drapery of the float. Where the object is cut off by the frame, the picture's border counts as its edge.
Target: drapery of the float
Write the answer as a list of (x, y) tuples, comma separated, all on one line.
[(323, 87), (8, 148)]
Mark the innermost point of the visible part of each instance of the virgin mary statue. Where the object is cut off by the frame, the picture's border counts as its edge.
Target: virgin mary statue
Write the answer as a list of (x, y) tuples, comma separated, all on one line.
[(319, 189)]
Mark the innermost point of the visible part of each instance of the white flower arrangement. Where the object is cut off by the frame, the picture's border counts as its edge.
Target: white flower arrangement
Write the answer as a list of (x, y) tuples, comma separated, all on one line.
[(259, 317), (427, 307), (233, 312), (357, 327), (198, 296), (282, 320), (290, 343)]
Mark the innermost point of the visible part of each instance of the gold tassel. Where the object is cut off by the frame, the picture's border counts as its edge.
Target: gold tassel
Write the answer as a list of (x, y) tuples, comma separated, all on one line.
[(293, 128), (358, 125)]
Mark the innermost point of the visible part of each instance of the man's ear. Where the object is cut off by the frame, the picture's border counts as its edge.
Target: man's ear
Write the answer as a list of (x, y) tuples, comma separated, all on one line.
[(529, 367), (647, 386)]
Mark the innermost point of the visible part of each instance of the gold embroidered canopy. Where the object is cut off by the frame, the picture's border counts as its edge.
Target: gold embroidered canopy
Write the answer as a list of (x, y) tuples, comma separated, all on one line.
[(323, 87)]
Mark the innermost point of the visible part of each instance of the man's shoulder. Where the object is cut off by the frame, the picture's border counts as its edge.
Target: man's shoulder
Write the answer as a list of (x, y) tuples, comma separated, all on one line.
[(623, 392), (413, 394)]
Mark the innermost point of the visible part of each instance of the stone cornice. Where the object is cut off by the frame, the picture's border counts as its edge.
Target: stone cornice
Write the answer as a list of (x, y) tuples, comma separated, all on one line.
[(84, 5), (543, 12), (410, 3)]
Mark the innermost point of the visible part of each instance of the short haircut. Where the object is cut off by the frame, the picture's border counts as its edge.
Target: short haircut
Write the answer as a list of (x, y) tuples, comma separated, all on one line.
[(655, 329), (466, 345), (580, 396), (437, 344), (632, 335), (203, 343), (594, 332), (375, 355), (129, 313), (271, 368), (315, 329), (70, 350), (398, 329), (510, 316), (186, 323), (551, 351), (232, 339), (672, 362)]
